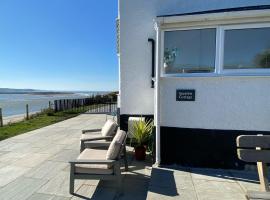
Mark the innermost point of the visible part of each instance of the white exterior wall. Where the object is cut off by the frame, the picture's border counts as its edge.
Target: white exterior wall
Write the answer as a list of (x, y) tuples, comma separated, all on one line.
[(235, 103), (136, 26)]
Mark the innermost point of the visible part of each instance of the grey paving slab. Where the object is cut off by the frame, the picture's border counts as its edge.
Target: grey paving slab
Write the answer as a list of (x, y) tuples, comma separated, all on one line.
[(32, 160), (132, 196), (3, 152), (3, 164), (39, 196), (160, 193), (21, 189), (76, 145), (95, 193), (57, 137), (23, 137), (47, 170), (134, 188), (66, 155), (12, 146), (133, 183), (249, 186), (248, 180), (27, 150), (66, 140), (11, 157), (211, 174), (171, 179), (4, 143), (212, 190), (10, 173), (137, 169), (45, 143), (60, 198), (51, 149), (59, 185)]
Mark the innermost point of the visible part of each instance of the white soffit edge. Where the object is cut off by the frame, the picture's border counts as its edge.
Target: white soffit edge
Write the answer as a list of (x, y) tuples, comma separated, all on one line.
[(264, 15)]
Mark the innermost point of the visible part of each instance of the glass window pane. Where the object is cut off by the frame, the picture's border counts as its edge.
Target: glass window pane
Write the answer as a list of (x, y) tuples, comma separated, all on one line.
[(190, 51), (247, 48)]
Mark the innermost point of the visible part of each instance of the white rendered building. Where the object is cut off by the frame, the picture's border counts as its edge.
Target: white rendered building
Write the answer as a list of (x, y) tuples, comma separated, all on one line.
[(201, 69)]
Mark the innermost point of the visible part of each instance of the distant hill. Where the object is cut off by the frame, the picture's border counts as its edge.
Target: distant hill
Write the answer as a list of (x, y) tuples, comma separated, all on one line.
[(16, 91), (30, 91)]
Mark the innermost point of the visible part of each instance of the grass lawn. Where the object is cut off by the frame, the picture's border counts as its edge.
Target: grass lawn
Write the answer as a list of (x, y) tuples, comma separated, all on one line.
[(36, 122)]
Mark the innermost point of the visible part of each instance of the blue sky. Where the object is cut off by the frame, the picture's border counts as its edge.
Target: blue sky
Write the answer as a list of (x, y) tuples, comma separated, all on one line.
[(58, 44)]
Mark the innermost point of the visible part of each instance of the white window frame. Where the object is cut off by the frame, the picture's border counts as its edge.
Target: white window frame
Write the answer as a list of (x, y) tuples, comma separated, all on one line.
[(219, 57), (163, 74), (242, 71)]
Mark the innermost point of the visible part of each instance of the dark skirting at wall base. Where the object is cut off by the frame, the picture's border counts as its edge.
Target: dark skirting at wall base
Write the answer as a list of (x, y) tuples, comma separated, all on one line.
[(124, 120), (202, 147)]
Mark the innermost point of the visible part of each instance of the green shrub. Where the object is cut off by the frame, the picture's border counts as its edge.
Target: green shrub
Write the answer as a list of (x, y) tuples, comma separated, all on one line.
[(142, 131), (49, 112)]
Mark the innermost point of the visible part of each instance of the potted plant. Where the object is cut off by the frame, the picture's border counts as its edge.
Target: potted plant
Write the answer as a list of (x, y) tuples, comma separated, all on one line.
[(141, 132), (169, 57)]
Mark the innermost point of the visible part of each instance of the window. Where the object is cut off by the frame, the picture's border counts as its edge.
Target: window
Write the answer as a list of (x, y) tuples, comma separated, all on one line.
[(225, 50), (189, 51), (247, 48)]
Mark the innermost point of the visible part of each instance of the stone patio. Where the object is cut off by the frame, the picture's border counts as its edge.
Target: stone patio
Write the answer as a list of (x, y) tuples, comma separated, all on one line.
[(181, 183), (34, 165)]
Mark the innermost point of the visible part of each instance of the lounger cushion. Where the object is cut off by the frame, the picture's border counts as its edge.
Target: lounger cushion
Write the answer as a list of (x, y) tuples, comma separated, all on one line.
[(93, 154), (114, 148), (109, 128)]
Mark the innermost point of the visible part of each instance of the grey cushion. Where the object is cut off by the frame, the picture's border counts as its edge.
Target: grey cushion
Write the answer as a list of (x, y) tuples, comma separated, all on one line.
[(109, 128), (114, 148), (93, 154)]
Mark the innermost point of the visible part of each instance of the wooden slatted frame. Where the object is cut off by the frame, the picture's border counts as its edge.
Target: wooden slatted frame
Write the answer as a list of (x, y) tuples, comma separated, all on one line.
[(256, 148)]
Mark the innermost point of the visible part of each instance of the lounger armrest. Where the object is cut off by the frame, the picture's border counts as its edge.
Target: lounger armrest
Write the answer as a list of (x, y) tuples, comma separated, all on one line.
[(96, 138), (90, 130), (92, 161)]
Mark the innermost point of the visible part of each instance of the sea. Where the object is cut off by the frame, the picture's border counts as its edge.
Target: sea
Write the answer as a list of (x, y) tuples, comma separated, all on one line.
[(15, 104)]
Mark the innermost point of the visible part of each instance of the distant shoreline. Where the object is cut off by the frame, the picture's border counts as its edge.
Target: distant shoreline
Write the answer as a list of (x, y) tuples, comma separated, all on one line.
[(40, 93), (51, 93)]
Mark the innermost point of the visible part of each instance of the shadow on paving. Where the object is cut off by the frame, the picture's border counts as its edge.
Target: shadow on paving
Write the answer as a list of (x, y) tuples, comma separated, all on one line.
[(230, 175), (172, 181), (250, 176), (163, 178)]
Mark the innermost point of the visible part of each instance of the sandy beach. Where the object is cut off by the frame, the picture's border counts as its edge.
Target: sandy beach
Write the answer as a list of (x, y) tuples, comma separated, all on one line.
[(15, 118)]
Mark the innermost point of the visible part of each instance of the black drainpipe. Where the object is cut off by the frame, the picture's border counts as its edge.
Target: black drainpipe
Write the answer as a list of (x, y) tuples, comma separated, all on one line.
[(153, 60)]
